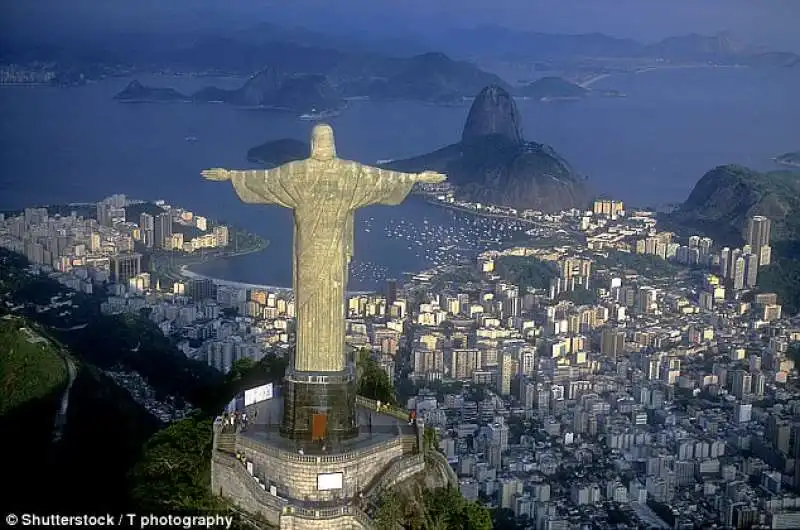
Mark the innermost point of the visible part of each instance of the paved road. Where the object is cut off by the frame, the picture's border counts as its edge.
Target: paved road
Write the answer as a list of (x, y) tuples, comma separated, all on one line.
[(649, 517), (61, 415)]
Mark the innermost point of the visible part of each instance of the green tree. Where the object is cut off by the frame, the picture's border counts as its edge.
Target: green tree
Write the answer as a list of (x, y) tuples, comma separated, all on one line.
[(239, 368), (782, 278), (373, 381), (503, 519), (431, 439), (580, 296), (449, 505), (389, 513), (526, 271), (477, 516), (793, 352), (173, 475)]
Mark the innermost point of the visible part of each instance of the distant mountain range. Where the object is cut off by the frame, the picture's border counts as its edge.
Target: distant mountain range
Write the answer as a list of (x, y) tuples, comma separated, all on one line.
[(492, 163), (390, 67), (725, 198), (492, 41)]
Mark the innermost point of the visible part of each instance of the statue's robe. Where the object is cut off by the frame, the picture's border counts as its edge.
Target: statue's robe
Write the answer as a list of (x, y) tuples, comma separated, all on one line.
[(323, 195)]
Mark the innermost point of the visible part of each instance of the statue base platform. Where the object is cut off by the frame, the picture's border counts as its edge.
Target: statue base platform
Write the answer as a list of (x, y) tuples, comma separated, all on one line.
[(319, 408), (299, 485)]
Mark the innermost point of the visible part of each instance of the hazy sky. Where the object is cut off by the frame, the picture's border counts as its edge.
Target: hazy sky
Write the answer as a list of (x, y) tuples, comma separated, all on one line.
[(771, 22)]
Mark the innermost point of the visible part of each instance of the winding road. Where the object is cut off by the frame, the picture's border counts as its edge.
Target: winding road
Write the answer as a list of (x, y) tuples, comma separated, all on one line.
[(61, 415)]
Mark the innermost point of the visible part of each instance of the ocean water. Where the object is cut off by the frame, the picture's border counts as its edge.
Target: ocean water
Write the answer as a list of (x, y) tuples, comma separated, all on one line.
[(61, 145)]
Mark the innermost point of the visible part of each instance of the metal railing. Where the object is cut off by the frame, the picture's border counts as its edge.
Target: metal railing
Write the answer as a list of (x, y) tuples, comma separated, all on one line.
[(391, 410), (261, 495), (390, 474), (400, 441), (330, 513)]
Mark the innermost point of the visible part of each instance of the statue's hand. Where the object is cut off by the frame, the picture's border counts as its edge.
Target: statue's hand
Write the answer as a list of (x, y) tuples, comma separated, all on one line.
[(216, 174), (431, 177)]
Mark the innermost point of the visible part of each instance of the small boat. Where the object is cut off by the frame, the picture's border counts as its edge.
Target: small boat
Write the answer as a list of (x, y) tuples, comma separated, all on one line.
[(191, 138)]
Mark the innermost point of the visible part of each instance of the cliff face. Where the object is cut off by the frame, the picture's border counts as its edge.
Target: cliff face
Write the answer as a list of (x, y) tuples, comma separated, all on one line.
[(494, 164), (493, 112), (724, 199)]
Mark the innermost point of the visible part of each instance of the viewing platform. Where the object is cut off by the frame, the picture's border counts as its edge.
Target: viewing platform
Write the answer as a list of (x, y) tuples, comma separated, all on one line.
[(317, 485)]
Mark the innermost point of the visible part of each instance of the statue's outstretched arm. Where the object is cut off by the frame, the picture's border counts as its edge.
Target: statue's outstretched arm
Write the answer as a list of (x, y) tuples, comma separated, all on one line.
[(384, 186), (259, 186)]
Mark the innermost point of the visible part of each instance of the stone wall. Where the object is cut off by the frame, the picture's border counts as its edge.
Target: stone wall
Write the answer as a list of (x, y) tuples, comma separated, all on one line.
[(400, 470), (437, 460), (347, 522), (234, 483), (295, 476)]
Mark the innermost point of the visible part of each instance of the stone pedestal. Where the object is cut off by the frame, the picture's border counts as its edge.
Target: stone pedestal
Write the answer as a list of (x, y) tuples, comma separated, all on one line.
[(319, 407)]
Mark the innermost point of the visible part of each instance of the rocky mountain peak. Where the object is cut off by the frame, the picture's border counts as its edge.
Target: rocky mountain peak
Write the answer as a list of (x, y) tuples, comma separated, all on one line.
[(493, 112)]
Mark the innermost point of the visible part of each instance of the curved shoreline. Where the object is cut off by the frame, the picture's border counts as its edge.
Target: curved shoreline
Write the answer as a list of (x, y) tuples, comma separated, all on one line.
[(599, 77), (185, 272)]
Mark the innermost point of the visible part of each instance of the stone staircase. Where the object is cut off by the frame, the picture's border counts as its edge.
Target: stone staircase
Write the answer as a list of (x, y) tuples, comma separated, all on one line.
[(226, 442)]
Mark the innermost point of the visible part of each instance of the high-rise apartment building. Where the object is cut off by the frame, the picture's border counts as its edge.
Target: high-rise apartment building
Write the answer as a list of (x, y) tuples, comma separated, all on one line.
[(391, 291), (464, 362), (738, 273), (505, 372), (221, 233), (765, 256), (612, 343), (125, 266), (103, 214), (146, 228), (750, 270), (758, 232), (724, 262), (608, 207), (162, 230), (202, 289)]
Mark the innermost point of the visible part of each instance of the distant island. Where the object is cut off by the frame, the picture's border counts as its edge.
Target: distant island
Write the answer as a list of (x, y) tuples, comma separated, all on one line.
[(136, 92), (553, 88), (278, 152), (306, 94), (789, 159)]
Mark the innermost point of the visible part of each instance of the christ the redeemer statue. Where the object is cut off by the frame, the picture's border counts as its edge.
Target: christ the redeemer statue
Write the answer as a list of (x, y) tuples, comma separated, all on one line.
[(323, 192)]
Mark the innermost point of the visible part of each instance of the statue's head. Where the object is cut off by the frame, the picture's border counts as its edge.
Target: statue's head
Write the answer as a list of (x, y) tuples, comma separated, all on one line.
[(322, 144)]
